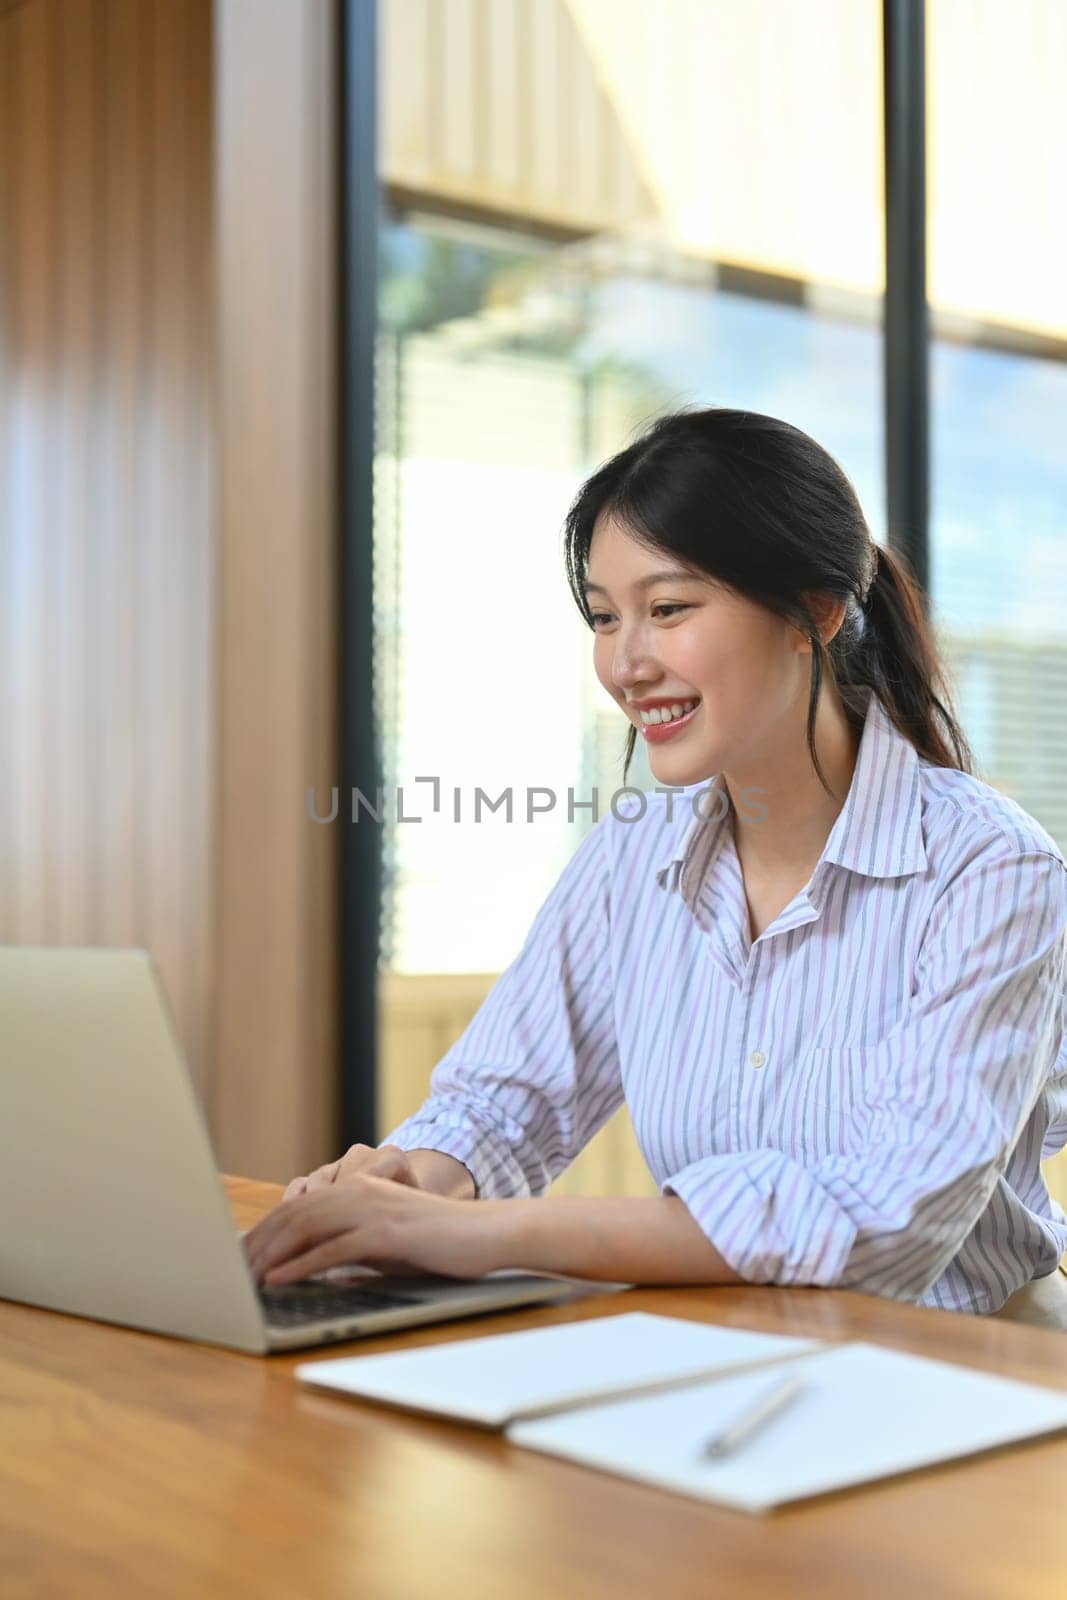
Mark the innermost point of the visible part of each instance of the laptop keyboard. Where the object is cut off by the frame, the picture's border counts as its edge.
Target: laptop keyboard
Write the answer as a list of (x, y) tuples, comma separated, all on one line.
[(299, 1303)]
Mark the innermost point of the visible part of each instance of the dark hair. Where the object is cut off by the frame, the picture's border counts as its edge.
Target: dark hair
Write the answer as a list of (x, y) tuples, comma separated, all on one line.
[(759, 506)]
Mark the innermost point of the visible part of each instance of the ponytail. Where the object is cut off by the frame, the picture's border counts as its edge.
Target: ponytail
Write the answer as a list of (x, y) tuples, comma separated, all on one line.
[(892, 650)]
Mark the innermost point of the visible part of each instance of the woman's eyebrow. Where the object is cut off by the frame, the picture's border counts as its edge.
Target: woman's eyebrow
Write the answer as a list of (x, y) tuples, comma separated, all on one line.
[(668, 575)]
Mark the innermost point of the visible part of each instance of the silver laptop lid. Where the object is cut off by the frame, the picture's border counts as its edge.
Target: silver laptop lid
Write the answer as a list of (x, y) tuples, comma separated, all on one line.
[(110, 1202)]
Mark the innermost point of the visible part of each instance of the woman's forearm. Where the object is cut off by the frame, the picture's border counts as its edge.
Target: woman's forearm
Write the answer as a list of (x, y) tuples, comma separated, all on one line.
[(620, 1239)]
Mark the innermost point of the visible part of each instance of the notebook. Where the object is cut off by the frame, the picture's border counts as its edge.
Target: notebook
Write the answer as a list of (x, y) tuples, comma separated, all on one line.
[(864, 1413), (637, 1395), (536, 1371)]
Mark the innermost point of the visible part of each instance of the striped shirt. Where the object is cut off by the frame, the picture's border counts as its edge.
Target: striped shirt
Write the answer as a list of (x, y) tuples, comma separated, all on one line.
[(860, 1098)]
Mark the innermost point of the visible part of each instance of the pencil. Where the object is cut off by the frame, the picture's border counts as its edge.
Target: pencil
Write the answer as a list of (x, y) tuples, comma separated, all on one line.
[(761, 1410)]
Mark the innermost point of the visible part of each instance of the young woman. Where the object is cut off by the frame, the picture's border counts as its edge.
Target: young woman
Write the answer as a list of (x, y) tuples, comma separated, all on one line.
[(823, 965)]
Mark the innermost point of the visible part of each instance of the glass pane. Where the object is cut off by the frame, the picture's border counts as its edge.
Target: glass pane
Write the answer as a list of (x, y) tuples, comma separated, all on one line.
[(998, 149), (596, 213), (522, 344), (997, 152)]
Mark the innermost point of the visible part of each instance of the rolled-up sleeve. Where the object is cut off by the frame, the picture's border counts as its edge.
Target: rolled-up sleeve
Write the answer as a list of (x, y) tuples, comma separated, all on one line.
[(943, 1099), (536, 1072)]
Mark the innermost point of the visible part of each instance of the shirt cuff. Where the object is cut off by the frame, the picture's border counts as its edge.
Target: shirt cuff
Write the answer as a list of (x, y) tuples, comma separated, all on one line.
[(766, 1217), (492, 1163)]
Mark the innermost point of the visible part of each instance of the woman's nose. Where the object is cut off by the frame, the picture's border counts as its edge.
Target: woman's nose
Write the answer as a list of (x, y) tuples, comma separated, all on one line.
[(628, 671), (633, 665)]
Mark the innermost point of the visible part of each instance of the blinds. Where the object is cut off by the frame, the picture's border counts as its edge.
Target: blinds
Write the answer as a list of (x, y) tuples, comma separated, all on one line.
[(1012, 701)]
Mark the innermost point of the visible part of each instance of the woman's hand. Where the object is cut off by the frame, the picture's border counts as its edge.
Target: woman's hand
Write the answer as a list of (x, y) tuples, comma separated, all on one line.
[(374, 1222), (383, 1161)]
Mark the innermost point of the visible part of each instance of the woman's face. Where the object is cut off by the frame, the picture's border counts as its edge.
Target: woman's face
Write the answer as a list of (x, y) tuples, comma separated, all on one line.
[(675, 640)]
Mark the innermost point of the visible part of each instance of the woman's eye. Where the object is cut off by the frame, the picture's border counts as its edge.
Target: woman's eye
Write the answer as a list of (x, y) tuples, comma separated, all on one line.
[(662, 610)]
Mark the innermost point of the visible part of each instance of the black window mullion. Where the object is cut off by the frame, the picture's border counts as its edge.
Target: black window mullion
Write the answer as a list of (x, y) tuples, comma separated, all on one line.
[(907, 334), (359, 758)]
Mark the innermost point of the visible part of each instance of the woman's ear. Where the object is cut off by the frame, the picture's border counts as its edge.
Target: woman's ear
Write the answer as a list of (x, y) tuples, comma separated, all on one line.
[(828, 613)]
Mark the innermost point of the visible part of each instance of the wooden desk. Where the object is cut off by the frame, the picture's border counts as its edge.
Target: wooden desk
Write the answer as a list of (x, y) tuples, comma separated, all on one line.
[(134, 1465)]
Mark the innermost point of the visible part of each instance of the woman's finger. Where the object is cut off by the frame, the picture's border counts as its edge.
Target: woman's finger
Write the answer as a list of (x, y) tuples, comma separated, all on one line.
[(342, 1249), (261, 1241), (284, 1239), (322, 1177), (253, 1241), (303, 1223), (356, 1159)]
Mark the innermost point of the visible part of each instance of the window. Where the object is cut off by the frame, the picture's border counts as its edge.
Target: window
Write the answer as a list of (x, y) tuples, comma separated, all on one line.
[(997, 77), (597, 212)]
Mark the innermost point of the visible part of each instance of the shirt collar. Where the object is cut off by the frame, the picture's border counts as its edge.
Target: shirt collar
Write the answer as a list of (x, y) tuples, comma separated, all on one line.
[(878, 831)]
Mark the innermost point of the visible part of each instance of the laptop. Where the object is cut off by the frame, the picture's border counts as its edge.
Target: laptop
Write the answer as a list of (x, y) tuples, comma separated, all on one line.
[(111, 1205)]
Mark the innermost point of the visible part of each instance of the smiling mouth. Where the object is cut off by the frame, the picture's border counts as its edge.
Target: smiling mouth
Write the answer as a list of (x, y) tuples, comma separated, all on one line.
[(663, 716), (661, 732)]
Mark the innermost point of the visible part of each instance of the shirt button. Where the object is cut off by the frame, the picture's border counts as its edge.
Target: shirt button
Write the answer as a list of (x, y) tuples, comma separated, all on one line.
[(757, 1058)]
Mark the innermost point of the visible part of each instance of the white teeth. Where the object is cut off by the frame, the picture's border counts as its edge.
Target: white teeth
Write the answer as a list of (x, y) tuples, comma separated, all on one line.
[(666, 713)]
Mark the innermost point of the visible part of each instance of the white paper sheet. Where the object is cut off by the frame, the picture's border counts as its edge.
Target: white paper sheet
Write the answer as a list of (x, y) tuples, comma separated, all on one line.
[(865, 1413), (495, 1379)]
